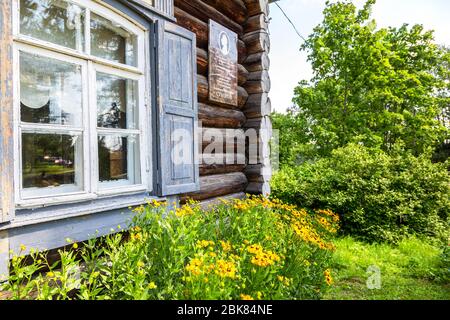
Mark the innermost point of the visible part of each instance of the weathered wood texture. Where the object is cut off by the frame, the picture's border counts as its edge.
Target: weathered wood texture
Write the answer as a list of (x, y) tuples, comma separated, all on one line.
[(258, 106), (222, 163), (218, 140), (219, 185), (249, 19), (201, 30), (6, 114), (233, 9), (203, 93), (217, 117), (202, 67), (204, 12)]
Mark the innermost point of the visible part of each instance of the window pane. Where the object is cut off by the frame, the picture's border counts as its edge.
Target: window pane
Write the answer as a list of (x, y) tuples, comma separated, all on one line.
[(112, 42), (50, 160), (55, 21), (118, 159), (116, 102), (50, 91)]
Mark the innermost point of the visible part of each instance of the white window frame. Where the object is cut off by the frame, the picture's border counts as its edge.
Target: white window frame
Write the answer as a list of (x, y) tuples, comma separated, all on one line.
[(92, 188)]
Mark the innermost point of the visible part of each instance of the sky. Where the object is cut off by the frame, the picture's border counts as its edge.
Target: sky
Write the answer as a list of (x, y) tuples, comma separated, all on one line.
[(289, 65)]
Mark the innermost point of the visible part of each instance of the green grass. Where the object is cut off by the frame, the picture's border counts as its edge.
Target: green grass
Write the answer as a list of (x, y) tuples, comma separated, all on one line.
[(413, 270)]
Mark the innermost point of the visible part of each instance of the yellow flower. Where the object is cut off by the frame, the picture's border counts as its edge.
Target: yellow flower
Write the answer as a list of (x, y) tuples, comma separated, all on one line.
[(255, 249), (23, 247), (75, 246), (226, 246), (152, 285), (226, 269), (140, 264), (213, 254), (204, 244), (194, 267), (328, 277), (50, 274), (246, 297)]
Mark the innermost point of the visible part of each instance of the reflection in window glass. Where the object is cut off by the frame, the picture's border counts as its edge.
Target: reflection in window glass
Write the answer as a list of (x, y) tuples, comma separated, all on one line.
[(116, 102), (55, 21), (117, 159), (50, 91), (112, 42), (50, 160)]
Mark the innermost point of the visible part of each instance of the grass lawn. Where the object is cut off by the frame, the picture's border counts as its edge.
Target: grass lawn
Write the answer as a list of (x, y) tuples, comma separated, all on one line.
[(412, 270)]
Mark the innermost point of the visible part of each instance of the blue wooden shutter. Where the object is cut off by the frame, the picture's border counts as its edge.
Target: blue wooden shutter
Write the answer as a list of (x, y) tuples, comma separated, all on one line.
[(177, 114)]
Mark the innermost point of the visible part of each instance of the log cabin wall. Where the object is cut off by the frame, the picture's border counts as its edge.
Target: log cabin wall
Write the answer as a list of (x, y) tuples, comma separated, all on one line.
[(249, 19)]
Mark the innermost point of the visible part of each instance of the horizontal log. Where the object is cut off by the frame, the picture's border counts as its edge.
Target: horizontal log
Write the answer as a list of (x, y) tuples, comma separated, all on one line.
[(202, 88), (257, 62), (255, 7), (218, 185), (258, 41), (258, 105), (255, 87), (203, 93), (205, 12), (242, 75), (221, 163), (211, 203), (233, 9), (203, 63), (217, 117), (259, 75), (201, 30), (242, 97), (258, 173), (258, 82), (259, 152), (232, 139), (257, 22), (193, 24), (263, 123), (258, 188)]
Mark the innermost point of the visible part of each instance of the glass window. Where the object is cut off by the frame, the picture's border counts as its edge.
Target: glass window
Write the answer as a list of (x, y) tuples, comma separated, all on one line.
[(112, 42), (118, 160), (51, 160), (116, 102), (50, 91), (55, 21), (78, 134)]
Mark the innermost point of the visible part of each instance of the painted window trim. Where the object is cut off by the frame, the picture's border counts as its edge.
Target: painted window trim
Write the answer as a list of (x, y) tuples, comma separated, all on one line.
[(160, 7), (91, 190)]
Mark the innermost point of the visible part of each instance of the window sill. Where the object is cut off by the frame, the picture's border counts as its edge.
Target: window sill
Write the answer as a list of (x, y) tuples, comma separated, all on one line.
[(26, 217)]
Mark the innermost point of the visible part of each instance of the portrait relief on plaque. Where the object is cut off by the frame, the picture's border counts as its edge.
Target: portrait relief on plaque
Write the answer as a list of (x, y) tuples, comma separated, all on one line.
[(223, 64)]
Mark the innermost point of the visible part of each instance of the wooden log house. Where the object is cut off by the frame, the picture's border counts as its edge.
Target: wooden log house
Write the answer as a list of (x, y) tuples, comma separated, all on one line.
[(100, 99)]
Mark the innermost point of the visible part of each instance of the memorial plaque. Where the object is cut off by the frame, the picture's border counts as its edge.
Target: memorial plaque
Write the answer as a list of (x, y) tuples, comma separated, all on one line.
[(223, 68)]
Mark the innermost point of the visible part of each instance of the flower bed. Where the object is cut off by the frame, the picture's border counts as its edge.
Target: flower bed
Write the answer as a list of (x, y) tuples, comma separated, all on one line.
[(243, 249)]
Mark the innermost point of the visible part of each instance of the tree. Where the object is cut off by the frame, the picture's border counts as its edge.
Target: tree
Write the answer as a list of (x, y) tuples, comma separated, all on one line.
[(377, 87)]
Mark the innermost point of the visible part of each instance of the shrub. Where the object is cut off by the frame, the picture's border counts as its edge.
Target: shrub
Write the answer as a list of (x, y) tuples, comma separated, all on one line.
[(380, 197), (244, 249)]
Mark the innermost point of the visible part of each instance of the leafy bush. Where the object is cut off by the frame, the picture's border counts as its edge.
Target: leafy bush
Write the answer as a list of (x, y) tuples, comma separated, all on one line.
[(380, 197), (244, 249)]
